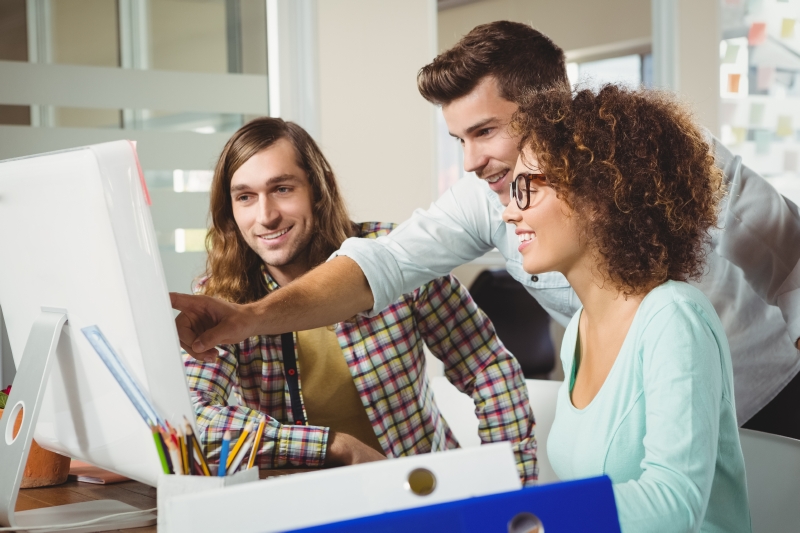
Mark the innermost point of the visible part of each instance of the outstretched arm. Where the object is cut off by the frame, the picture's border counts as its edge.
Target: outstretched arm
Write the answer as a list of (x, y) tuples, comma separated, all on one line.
[(332, 292), (368, 274)]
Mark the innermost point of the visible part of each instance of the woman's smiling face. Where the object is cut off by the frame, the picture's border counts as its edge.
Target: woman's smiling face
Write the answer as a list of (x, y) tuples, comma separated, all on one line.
[(549, 237)]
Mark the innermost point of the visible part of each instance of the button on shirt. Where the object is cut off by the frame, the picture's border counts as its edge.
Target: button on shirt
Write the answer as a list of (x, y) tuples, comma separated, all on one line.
[(752, 277)]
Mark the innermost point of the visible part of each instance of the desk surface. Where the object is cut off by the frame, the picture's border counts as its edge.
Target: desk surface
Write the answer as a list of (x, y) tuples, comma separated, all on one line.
[(131, 492)]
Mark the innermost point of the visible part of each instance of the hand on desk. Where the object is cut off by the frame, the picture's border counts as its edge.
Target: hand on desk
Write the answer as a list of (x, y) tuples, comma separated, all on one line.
[(344, 450)]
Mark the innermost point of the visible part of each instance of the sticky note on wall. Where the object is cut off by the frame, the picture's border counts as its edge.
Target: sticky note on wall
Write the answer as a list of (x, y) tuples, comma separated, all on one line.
[(731, 52), (765, 78), (757, 34), (787, 28), (740, 134), (763, 140), (756, 114), (733, 82), (784, 128)]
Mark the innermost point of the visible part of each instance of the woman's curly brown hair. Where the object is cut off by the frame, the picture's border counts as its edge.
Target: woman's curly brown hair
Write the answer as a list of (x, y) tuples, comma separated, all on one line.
[(636, 170)]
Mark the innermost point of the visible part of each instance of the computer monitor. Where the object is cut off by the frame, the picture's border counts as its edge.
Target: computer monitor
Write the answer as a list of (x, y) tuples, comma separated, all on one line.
[(76, 234)]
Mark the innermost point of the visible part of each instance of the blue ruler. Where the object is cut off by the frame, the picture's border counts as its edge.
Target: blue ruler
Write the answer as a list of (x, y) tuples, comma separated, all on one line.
[(568, 507)]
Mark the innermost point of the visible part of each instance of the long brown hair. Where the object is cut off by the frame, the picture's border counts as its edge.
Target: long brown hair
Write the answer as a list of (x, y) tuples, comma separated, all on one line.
[(233, 269)]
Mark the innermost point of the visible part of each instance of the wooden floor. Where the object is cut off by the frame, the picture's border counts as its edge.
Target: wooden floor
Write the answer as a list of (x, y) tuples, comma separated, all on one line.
[(131, 492)]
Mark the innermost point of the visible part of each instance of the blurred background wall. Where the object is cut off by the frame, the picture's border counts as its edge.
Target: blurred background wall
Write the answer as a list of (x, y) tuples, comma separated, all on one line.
[(179, 76)]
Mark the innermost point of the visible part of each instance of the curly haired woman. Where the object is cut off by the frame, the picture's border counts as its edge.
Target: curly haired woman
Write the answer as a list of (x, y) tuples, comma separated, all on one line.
[(617, 190)]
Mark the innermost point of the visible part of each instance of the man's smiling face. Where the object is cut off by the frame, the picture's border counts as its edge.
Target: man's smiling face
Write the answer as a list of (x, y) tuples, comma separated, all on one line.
[(273, 207), (479, 120)]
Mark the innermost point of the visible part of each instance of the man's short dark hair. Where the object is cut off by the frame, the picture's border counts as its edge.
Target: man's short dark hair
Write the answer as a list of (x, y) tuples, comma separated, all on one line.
[(517, 56)]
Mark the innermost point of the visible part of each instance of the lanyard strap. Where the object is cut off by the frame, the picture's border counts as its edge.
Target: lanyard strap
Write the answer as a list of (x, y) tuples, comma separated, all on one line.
[(290, 371)]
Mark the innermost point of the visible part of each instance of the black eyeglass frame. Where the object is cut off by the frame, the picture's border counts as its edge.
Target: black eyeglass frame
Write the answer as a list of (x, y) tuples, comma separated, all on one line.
[(517, 192)]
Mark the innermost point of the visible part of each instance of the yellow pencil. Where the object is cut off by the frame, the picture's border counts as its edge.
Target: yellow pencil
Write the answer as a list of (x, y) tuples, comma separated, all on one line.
[(199, 456), (243, 437), (256, 444), (187, 468)]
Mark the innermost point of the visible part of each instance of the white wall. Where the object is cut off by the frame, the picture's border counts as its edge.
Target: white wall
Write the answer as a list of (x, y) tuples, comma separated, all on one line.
[(572, 24), (698, 59), (576, 25), (376, 130)]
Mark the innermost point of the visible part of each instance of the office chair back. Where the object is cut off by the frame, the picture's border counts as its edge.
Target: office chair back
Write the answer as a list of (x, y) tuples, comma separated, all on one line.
[(521, 323), (772, 464)]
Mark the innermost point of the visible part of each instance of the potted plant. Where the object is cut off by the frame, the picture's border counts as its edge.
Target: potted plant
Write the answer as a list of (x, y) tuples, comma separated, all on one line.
[(44, 468)]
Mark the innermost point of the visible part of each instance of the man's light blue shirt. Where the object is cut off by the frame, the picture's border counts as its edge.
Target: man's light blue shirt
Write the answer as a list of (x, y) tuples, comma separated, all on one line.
[(752, 276)]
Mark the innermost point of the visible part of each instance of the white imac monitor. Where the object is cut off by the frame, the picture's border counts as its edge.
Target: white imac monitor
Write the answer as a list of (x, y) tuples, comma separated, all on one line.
[(76, 234)]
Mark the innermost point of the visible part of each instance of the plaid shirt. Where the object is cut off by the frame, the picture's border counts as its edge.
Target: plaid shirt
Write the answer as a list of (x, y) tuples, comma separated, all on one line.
[(386, 359)]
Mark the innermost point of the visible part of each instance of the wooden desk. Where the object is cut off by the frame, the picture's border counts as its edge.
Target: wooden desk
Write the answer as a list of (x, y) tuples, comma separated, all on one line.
[(131, 492)]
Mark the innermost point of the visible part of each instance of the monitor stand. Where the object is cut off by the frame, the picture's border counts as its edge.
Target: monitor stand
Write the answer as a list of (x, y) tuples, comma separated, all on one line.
[(26, 395)]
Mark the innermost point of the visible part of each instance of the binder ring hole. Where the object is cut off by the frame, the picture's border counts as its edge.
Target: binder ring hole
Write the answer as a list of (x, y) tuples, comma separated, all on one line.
[(525, 523), (16, 414), (421, 482)]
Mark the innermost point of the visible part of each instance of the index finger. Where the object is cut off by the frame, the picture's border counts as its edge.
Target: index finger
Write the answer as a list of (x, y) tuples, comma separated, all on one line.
[(181, 301)]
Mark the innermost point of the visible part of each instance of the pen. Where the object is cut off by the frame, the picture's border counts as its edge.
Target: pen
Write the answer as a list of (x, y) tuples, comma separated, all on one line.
[(256, 444), (223, 453)]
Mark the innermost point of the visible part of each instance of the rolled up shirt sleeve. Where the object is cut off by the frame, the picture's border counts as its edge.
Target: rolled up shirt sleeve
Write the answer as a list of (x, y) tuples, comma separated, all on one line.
[(210, 386)]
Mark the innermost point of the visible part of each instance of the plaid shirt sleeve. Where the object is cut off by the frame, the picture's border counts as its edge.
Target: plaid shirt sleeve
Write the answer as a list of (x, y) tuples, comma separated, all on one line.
[(458, 333), (210, 386)]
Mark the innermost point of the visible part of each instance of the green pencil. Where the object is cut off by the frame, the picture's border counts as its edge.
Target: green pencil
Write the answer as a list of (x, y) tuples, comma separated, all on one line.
[(157, 439)]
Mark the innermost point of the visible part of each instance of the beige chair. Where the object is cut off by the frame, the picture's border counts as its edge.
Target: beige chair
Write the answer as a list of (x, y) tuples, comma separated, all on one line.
[(772, 463), (459, 411)]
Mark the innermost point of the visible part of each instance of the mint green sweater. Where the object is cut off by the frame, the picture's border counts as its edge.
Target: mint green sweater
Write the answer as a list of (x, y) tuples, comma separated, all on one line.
[(663, 425)]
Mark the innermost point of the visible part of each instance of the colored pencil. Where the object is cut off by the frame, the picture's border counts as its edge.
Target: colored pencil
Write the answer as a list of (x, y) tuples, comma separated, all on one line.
[(239, 443), (223, 453), (256, 444), (160, 449), (166, 450), (239, 457), (201, 457), (188, 436), (175, 453), (187, 466)]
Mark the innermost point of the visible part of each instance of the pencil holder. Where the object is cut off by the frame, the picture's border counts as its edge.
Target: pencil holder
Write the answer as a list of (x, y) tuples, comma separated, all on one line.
[(170, 486)]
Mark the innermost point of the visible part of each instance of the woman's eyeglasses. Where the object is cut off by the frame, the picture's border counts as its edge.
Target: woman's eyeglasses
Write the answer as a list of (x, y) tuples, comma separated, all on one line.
[(521, 189)]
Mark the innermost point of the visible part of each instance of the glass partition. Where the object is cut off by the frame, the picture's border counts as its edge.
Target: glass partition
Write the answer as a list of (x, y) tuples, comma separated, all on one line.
[(760, 88)]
